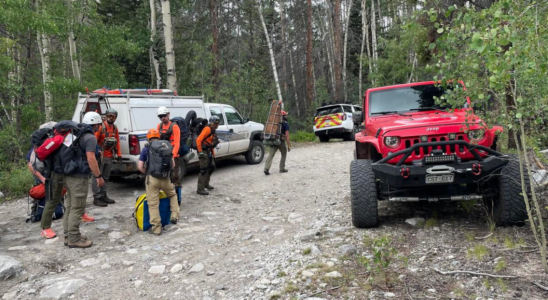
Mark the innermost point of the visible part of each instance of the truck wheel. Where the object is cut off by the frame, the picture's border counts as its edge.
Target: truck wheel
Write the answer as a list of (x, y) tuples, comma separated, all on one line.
[(363, 190), (255, 154), (324, 138), (509, 208)]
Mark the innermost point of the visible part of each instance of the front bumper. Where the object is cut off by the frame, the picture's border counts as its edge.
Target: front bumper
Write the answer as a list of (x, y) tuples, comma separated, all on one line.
[(415, 175)]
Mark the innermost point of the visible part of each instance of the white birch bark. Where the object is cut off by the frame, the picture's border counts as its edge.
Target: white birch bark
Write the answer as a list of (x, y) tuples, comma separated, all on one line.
[(168, 40), (328, 48), (272, 58), (364, 28), (373, 38), (12, 79), (294, 83), (152, 51), (72, 49), (43, 47), (347, 22)]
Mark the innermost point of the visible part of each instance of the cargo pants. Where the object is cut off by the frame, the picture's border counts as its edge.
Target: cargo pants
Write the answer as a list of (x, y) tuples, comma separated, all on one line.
[(176, 172), (106, 168), (153, 187), (272, 152), (51, 204), (207, 167), (75, 206)]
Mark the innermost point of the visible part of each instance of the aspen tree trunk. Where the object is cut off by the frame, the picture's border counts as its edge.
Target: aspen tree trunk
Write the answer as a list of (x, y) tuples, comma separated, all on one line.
[(309, 54), (152, 50), (43, 47), (214, 47), (364, 29), (328, 48), (373, 38), (297, 104), (284, 47), (170, 54), (272, 58), (72, 49), (337, 50), (345, 48), (12, 79)]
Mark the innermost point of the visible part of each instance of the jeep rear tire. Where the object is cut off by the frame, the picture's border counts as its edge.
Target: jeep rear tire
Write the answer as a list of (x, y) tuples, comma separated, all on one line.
[(509, 207), (255, 154), (324, 138), (363, 191)]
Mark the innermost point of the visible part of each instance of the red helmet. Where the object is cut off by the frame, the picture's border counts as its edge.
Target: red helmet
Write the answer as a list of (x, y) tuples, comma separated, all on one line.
[(284, 113), (153, 133)]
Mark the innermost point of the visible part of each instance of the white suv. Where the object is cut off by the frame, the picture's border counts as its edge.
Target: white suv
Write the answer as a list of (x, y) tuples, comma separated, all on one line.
[(335, 121), (137, 114)]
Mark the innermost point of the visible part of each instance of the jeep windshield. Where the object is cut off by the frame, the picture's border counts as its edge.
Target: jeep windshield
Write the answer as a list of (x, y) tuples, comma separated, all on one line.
[(405, 99)]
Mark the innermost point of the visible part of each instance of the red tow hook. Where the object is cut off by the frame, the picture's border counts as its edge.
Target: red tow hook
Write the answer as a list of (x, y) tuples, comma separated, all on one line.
[(476, 169), (404, 172)]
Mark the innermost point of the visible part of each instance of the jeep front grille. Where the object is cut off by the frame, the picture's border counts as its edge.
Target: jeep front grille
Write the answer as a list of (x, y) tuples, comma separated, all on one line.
[(419, 153)]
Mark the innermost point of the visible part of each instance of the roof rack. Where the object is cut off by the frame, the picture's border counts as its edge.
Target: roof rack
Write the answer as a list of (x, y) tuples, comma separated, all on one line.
[(140, 91)]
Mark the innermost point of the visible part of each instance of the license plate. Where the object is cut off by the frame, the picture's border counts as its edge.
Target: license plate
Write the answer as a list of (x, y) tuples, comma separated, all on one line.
[(439, 178)]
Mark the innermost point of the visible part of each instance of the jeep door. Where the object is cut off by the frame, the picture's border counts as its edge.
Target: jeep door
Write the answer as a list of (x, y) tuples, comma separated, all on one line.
[(222, 131), (238, 131)]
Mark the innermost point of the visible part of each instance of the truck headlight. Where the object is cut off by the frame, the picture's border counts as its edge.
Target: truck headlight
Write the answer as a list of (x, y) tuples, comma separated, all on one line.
[(392, 141), (476, 135)]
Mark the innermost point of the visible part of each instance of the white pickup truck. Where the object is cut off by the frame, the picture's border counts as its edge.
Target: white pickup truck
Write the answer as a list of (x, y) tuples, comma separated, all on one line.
[(137, 114)]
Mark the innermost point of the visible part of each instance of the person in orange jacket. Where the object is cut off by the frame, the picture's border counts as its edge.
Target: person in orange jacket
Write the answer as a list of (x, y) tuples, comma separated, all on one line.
[(169, 131), (206, 143), (108, 139)]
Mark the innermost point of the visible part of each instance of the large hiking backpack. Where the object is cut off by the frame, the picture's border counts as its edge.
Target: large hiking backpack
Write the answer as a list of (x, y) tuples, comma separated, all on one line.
[(185, 134), (198, 125), (37, 202), (71, 159), (159, 156)]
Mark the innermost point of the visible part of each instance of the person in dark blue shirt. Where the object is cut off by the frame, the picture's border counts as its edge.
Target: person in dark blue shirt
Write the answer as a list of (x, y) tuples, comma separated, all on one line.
[(282, 146)]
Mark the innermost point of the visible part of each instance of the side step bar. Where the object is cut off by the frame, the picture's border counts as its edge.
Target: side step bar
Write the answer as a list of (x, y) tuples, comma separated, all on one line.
[(436, 199)]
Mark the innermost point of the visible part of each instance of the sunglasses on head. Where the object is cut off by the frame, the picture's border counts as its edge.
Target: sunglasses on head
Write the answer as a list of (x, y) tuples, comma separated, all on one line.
[(162, 116)]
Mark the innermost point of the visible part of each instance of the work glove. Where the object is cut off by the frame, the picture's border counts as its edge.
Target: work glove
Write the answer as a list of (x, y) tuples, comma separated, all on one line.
[(201, 154)]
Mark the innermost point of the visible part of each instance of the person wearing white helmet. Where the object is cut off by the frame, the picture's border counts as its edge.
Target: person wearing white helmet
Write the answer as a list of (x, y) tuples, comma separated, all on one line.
[(171, 132), (76, 160)]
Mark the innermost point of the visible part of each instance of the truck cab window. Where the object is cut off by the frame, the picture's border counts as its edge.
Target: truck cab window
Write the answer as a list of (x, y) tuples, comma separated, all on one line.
[(216, 111), (232, 116)]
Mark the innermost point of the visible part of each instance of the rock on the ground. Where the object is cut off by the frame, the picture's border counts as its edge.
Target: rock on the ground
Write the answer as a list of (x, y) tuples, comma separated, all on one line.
[(314, 298), (17, 248), (62, 288), (176, 268), (389, 295), (348, 250), (540, 176), (159, 269), (89, 262), (415, 221), (115, 235), (295, 218), (138, 283), (196, 268), (9, 296), (105, 267), (9, 267), (333, 274)]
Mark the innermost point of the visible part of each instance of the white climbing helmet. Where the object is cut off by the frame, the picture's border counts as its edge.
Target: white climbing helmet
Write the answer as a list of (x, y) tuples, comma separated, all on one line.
[(92, 118), (162, 110)]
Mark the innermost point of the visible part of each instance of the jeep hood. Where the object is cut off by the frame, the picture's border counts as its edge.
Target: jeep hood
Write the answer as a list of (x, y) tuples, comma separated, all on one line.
[(423, 120)]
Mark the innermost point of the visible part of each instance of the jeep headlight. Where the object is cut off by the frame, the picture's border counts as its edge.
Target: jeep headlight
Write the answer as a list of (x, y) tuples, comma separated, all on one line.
[(392, 141), (475, 135)]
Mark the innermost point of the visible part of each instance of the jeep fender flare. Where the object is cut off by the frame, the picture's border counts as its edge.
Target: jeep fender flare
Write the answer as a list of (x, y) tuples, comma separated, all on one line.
[(367, 147), (255, 136)]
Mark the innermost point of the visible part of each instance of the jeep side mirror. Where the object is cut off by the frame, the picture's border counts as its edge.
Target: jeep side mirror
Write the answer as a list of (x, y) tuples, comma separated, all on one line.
[(245, 120), (357, 117)]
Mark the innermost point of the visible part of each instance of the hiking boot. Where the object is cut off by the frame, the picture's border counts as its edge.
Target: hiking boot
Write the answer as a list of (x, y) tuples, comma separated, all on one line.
[(151, 231), (283, 171), (173, 221), (86, 218), (209, 187), (99, 202), (266, 172), (48, 233), (202, 192), (107, 200), (65, 239), (81, 243)]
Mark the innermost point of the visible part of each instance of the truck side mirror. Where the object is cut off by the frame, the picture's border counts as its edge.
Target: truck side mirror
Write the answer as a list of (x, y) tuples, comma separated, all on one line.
[(245, 120), (357, 117)]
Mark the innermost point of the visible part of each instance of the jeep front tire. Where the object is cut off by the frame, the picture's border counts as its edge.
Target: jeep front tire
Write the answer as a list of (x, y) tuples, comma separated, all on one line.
[(363, 191), (509, 207)]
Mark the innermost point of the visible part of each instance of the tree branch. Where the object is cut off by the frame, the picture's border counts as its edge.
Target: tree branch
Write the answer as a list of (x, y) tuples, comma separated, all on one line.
[(474, 273), (541, 286)]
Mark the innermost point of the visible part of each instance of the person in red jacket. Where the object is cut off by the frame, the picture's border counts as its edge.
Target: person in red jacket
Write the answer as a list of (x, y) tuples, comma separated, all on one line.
[(108, 139), (169, 131), (206, 143)]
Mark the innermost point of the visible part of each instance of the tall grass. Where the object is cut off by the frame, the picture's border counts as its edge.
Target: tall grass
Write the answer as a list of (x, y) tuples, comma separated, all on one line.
[(303, 137), (15, 182)]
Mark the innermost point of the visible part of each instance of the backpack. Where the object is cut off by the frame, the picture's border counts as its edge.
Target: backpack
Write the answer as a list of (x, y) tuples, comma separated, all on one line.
[(49, 146), (159, 156), (185, 134), (142, 215), (37, 209), (197, 126), (71, 159), (38, 137)]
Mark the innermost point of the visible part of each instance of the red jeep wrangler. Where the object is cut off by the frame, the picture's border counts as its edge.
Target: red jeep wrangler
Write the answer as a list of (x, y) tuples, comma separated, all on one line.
[(410, 149)]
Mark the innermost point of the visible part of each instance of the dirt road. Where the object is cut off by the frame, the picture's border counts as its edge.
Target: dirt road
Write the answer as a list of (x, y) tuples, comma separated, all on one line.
[(283, 236)]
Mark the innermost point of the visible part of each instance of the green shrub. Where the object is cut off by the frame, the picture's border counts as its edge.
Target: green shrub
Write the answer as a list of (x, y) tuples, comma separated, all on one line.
[(303, 137), (15, 182)]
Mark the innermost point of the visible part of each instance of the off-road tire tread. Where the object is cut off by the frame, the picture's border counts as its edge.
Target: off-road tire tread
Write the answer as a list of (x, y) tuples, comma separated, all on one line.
[(324, 138), (511, 208), (363, 191)]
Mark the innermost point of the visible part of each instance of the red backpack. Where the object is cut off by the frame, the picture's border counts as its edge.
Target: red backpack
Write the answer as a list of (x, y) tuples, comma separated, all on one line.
[(49, 146)]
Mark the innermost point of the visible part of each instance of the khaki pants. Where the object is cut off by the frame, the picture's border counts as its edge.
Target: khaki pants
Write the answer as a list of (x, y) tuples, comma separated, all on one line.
[(51, 204), (207, 167), (75, 204), (153, 186), (176, 172), (106, 168), (272, 152)]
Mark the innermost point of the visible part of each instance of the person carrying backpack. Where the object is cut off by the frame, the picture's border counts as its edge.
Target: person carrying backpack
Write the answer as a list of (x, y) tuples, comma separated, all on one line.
[(156, 162), (108, 139), (169, 131), (75, 160), (282, 147), (206, 143)]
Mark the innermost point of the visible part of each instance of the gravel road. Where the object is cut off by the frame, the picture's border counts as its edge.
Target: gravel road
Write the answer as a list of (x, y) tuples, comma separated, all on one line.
[(283, 236)]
